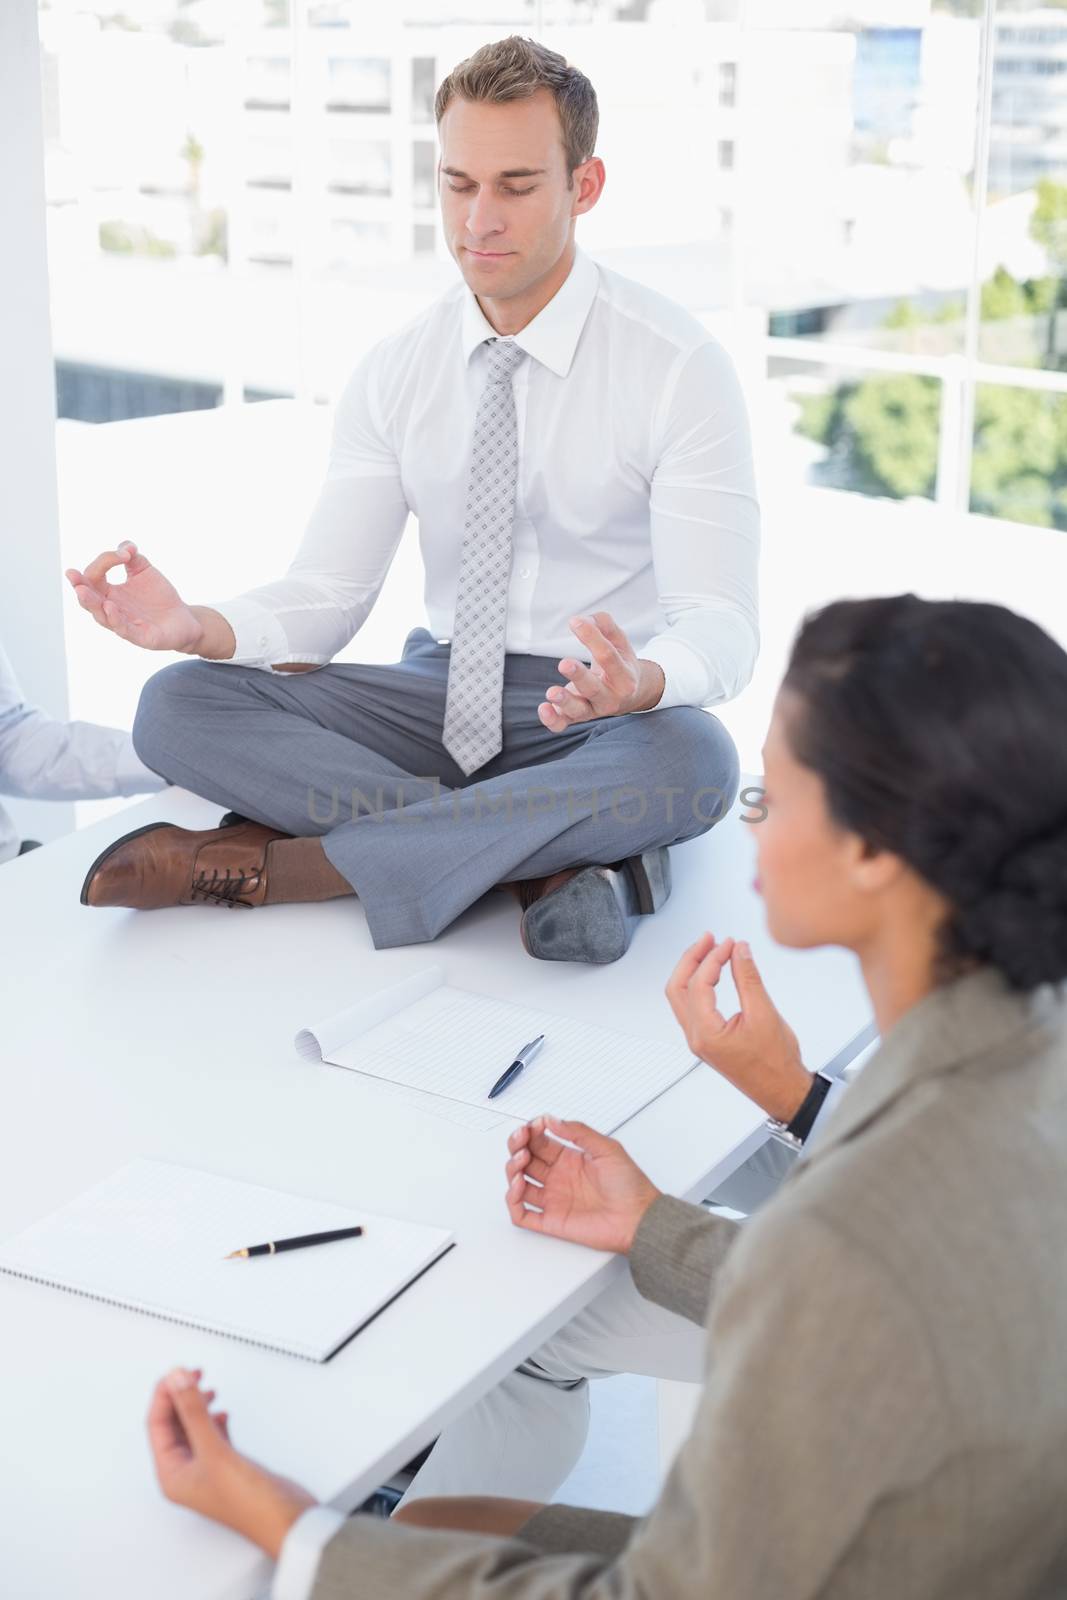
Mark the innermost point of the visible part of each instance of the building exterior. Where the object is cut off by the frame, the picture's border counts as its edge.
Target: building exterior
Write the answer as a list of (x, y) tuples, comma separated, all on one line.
[(1028, 138), (281, 209), (886, 87)]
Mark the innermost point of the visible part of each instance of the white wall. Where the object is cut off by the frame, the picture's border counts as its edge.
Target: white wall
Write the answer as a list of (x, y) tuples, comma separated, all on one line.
[(31, 623)]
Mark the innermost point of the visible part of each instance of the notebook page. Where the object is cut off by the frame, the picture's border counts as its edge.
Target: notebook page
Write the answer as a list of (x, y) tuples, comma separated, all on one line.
[(317, 1042), (320, 1041), (479, 1119), (456, 1044), (152, 1237)]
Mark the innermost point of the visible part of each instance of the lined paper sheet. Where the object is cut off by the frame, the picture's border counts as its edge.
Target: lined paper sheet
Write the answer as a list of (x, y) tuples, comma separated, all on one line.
[(454, 1044), (152, 1238), (321, 1041)]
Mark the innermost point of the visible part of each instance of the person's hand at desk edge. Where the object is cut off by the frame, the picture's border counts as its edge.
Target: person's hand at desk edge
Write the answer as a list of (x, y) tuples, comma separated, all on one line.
[(593, 1193), (198, 1467), (564, 1179)]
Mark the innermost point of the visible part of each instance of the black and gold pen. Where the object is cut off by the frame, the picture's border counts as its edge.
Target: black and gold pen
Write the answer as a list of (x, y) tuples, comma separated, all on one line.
[(298, 1243)]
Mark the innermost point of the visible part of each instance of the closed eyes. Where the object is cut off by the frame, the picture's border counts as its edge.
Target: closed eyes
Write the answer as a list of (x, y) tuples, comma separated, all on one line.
[(467, 187)]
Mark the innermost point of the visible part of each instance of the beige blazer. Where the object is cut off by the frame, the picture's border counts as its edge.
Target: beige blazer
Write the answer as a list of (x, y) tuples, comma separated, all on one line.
[(885, 1405)]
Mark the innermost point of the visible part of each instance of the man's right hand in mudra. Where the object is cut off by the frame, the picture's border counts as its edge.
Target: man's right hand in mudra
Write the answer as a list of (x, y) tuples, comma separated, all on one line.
[(147, 609)]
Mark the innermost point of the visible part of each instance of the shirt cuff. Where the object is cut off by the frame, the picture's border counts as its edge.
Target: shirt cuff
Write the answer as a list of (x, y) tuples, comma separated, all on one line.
[(260, 637), (131, 774), (301, 1552), (685, 676)]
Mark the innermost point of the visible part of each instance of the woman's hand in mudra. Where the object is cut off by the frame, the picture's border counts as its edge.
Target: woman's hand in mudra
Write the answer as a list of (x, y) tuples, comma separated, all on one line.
[(755, 1049)]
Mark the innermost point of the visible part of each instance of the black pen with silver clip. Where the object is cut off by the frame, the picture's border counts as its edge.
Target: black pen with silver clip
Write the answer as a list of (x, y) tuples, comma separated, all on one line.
[(300, 1242), (522, 1059)]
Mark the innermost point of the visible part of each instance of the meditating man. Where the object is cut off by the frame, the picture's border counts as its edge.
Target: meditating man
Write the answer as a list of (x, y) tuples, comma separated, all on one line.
[(576, 450)]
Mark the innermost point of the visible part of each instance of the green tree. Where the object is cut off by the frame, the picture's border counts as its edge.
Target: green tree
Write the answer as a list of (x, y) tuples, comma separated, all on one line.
[(1048, 226), (881, 435), (902, 315), (1019, 468), (1040, 293), (951, 311), (207, 227), (132, 239), (895, 424), (1003, 296)]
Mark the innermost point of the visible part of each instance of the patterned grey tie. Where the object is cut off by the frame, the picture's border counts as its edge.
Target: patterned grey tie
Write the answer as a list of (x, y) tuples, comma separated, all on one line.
[(472, 732)]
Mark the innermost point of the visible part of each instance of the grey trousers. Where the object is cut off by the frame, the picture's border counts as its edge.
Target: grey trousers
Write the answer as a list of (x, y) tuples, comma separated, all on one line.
[(353, 753)]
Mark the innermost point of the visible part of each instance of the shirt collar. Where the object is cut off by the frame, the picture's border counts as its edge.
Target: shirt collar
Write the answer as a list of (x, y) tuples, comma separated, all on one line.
[(552, 336), (968, 1018)]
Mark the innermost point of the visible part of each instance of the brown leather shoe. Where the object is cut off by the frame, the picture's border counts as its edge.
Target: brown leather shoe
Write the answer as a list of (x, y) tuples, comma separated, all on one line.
[(163, 865)]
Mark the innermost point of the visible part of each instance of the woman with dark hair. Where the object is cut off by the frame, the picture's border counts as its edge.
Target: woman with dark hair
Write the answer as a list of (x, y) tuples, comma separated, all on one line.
[(884, 1410)]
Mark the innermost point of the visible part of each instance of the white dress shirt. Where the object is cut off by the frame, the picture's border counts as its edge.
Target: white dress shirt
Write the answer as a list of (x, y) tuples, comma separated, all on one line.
[(635, 495), (42, 759)]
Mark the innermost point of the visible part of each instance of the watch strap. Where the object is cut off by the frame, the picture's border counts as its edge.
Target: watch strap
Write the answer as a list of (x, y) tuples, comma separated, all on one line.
[(796, 1131), (804, 1120)]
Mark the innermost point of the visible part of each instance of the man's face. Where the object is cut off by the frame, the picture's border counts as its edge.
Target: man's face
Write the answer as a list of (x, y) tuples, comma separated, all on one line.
[(506, 208)]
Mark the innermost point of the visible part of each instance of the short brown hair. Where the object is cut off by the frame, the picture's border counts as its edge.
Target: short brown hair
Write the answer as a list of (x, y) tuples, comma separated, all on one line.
[(514, 69)]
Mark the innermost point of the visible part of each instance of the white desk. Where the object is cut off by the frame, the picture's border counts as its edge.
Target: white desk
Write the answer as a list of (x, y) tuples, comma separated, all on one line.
[(169, 1034)]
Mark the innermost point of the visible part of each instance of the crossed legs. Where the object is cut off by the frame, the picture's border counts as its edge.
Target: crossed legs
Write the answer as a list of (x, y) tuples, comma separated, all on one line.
[(352, 755)]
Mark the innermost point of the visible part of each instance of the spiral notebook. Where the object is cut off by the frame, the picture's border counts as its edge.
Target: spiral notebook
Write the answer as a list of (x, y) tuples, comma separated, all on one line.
[(152, 1238)]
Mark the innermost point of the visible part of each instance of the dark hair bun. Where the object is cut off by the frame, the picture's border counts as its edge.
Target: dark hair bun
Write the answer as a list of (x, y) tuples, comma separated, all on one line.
[(937, 728), (1018, 922)]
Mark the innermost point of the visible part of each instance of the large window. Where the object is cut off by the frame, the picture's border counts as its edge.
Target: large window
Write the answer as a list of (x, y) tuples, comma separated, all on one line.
[(869, 201), (932, 260)]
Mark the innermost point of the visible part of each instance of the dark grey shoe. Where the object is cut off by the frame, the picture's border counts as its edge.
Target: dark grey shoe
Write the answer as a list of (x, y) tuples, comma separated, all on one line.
[(592, 915)]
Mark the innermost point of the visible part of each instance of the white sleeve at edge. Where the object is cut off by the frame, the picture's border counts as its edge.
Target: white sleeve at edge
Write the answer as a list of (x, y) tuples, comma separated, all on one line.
[(294, 1576)]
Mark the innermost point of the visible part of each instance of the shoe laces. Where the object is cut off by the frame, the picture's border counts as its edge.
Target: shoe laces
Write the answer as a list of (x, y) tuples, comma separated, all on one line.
[(226, 888)]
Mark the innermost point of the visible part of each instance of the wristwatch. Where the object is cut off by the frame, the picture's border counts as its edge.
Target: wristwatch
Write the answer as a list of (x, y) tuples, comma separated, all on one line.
[(795, 1132)]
